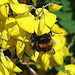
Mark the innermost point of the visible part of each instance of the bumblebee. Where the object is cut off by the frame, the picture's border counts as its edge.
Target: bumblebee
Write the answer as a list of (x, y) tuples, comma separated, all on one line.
[(43, 43)]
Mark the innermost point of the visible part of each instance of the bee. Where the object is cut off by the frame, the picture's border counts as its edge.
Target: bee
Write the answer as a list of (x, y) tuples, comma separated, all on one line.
[(43, 43)]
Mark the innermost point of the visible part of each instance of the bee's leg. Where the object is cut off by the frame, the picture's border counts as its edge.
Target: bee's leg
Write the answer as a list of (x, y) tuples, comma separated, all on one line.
[(34, 52), (53, 50), (51, 32)]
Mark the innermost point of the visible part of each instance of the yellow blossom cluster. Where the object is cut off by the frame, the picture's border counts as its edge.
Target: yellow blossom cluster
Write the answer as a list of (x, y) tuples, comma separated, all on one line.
[(7, 67), (48, 60), (17, 24)]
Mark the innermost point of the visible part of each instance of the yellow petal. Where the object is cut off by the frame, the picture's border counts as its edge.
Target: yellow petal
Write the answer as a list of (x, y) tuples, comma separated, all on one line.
[(3, 59), (70, 68), (12, 27), (23, 36), (14, 31), (59, 30), (58, 57), (38, 32), (4, 34), (0, 42), (5, 46), (50, 19), (56, 29), (3, 70), (15, 1), (64, 32), (4, 9), (20, 49), (9, 20), (28, 49), (4, 43), (19, 8), (59, 42), (39, 10), (26, 23), (45, 61), (3, 2), (10, 23), (13, 67), (55, 7), (65, 51), (35, 56), (2, 21), (41, 28), (41, 25)]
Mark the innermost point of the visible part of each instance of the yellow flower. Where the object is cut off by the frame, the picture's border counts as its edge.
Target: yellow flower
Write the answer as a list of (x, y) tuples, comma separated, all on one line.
[(4, 9), (60, 46), (16, 38), (58, 57), (19, 8), (35, 56), (3, 2), (11, 26), (60, 51), (3, 70), (55, 7), (65, 51), (7, 65), (20, 49), (70, 68), (46, 22), (45, 61), (4, 42), (9, 42), (56, 29), (40, 27), (26, 22)]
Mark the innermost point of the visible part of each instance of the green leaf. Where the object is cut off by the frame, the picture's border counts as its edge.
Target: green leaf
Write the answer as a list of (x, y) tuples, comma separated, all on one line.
[(64, 15), (58, 68), (73, 39), (69, 25), (66, 5), (56, 1)]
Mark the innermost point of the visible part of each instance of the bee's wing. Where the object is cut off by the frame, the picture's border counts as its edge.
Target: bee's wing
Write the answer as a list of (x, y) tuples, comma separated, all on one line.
[(54, 42), (25, 62)]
